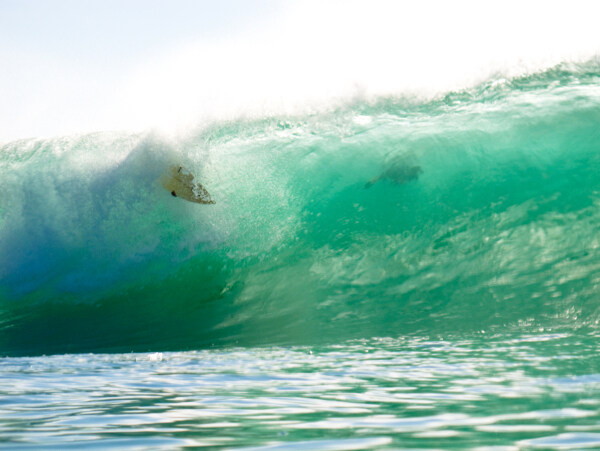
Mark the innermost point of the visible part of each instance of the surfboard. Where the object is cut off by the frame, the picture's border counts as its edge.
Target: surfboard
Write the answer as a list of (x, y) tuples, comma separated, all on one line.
[(180, 183)]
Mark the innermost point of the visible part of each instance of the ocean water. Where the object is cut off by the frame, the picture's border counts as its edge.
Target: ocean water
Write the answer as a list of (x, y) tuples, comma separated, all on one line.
[(394, 273), (502, 392)]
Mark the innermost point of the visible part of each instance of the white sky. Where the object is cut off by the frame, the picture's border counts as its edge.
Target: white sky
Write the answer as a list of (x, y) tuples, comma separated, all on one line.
[(71, 66)]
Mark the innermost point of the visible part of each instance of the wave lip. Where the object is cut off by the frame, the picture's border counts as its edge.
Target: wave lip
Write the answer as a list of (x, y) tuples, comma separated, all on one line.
[(422, 50)]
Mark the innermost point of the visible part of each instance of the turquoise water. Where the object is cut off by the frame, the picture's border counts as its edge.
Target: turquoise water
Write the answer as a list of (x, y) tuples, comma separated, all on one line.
[(390, 273), (508, 392)]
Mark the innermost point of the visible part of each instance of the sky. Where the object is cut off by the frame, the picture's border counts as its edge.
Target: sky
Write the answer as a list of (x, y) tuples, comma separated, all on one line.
[(74, 66)]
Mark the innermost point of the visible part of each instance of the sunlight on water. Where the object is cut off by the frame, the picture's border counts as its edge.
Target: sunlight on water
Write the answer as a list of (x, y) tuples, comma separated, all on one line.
[(465, 228), (533, 391), (285, 226)]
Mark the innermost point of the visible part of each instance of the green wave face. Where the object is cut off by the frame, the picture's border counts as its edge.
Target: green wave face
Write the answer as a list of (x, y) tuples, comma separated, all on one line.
[(476, 211)]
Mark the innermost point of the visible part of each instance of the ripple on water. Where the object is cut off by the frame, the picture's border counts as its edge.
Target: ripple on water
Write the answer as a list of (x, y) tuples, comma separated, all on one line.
[(476, 393)]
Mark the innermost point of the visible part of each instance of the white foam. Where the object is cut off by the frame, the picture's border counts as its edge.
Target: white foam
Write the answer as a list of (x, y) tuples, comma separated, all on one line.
[(312, 54)]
